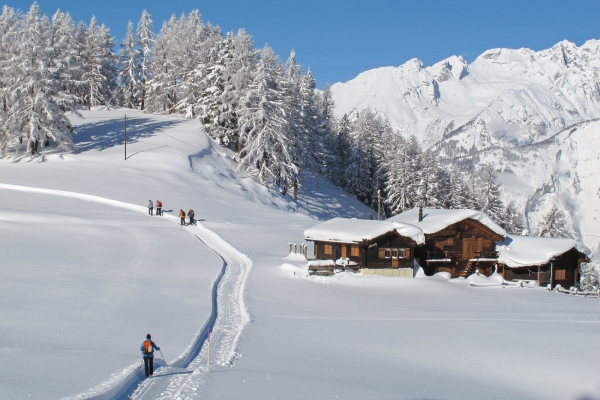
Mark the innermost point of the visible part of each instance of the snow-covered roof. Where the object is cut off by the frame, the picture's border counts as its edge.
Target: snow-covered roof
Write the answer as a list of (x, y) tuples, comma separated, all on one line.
[(437, 219), (346, 230), (522, 251)]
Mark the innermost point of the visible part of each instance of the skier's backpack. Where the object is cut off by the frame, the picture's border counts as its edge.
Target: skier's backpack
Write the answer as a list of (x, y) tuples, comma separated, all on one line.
[(148, 349), (159, 204)]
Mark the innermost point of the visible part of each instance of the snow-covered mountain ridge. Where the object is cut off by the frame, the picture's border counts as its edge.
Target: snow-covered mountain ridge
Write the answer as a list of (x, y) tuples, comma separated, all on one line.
[(532, 114)]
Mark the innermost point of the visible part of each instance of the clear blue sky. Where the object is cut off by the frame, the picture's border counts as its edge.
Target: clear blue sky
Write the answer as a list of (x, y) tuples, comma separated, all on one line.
[(340, 39)]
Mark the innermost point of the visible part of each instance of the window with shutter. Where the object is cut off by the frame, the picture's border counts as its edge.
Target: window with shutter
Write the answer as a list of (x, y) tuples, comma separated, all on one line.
[(328, 249), (381, 253), (355, 251)]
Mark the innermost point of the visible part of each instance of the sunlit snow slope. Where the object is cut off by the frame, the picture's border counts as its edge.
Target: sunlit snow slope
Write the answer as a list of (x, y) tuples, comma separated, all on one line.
[(505, 108), (81, 283)]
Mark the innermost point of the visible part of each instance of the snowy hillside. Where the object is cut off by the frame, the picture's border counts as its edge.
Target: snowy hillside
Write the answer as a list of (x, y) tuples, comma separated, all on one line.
[(506, 107), (86, 273), (82, 283)]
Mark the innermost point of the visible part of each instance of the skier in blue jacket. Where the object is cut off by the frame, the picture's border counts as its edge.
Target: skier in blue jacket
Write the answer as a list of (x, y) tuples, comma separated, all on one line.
[(147, 348)]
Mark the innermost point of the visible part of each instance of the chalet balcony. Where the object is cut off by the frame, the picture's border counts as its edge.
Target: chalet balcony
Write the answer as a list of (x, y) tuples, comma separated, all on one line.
[(451, 257)]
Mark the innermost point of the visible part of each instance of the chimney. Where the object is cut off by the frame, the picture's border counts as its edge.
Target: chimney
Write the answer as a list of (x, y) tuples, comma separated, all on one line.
[(420, 214)]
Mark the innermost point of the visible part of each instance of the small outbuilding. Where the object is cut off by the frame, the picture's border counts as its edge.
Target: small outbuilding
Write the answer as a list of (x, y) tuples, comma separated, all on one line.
[(553, 261), (457, 241), (364, 244)]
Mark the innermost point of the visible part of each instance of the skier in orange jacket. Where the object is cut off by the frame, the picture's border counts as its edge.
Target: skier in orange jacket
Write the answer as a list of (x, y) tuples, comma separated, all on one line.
[(147, 348)]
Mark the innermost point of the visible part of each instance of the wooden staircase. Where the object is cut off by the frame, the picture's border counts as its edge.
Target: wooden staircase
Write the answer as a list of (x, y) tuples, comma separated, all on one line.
[(469, 269)]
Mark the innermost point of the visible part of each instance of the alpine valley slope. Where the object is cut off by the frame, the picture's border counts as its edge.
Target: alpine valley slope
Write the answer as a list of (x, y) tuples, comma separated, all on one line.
[(81, 283), (531, 114)]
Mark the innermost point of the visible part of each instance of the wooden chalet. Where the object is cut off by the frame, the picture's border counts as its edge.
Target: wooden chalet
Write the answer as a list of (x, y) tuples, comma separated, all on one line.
[(456, 241), (354, 244), (550, 261)]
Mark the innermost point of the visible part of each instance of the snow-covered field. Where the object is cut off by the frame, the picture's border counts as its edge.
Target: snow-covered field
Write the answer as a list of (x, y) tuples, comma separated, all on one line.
[(80, 286), (82, 282)]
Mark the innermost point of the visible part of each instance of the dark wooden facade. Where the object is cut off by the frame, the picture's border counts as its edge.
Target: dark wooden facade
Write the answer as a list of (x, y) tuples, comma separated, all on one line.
[(459, 249), (564, 270), (387, 251)]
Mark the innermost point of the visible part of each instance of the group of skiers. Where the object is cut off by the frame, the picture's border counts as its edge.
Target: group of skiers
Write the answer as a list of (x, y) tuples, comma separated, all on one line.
[(190, 214), (182, 214), (158, 207)]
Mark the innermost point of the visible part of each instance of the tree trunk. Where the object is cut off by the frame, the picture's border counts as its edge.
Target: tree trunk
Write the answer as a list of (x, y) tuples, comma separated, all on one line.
[(295, 189), (143, 94)]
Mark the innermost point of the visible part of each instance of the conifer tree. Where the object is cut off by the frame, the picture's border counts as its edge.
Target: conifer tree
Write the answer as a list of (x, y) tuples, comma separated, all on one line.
[(129, 70), (512, 220), (340, 152), (145, 40), (38, 101), (457, 197), (8, 32), (491, 204), (264, 131), (555, 225), (590, 277), (161, 95), (97, 63)]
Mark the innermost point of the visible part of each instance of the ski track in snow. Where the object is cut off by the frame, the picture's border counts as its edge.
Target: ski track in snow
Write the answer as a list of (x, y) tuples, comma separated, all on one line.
[(184, 375)]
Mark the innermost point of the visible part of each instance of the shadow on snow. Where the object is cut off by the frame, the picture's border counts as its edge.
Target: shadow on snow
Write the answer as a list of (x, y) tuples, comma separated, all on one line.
[(109, 133)]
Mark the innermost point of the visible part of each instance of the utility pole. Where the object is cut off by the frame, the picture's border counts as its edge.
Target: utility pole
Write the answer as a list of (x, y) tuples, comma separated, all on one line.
[(125, 136)]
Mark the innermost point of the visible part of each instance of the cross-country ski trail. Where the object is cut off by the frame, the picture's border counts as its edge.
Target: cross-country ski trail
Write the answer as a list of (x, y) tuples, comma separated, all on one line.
[(185, 375)]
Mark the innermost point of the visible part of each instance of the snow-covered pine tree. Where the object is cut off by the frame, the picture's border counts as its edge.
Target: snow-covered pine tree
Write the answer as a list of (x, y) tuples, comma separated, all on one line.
[(429, 189), (212, 103), (411, 158), (310, 138), (457, 197), (191, 64), (590, 277), (264, 130), (512, 220), (8, 30), (64, 48), (555, 225), (362, 171), (145, 40), (340, 152), (398, 179), (161, 89), (97, 63), (472, 184), (326, 125), (240, 66), (491, 204), (356, 176), (38, 101), (129, 70)]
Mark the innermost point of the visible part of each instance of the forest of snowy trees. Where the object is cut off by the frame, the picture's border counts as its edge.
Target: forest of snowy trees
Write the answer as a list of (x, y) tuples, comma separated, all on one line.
[(268, 111)]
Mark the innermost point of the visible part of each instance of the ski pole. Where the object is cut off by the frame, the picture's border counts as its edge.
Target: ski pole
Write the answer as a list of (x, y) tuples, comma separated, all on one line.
[(163, 358)]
